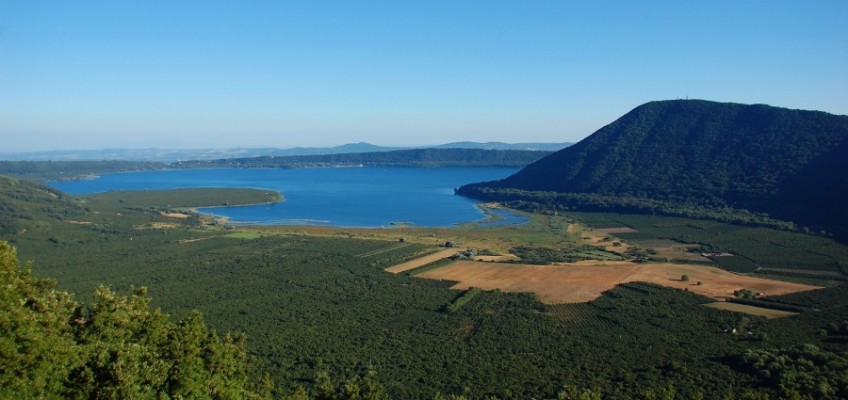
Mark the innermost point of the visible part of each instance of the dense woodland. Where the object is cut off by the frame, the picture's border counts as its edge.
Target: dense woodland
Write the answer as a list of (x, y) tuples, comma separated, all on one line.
[(323, 320), (697, 158)]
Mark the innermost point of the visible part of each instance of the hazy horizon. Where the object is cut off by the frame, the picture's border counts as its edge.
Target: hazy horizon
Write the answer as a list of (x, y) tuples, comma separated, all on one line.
[(188, 149), (94, 75)]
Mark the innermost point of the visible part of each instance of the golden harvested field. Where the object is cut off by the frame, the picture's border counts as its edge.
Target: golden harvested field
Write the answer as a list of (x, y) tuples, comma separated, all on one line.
[(421, 261), (585, 281)]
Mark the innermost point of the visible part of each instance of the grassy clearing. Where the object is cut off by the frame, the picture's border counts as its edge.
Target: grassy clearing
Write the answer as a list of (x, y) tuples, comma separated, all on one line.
[(542, 230), (244, 235)]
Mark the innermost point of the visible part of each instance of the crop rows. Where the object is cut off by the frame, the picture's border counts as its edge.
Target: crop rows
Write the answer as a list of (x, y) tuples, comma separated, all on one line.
[(577, 313), (383, 250)]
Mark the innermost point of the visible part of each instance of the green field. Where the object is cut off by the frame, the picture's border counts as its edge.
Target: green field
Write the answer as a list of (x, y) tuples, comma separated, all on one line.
[(243, 235)]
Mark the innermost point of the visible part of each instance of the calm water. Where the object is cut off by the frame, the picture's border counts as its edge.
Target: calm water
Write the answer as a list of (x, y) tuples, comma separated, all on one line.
[(353, 197)]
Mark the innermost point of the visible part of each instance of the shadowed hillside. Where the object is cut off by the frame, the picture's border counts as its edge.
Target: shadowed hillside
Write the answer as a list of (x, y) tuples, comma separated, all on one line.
[(692, 153)]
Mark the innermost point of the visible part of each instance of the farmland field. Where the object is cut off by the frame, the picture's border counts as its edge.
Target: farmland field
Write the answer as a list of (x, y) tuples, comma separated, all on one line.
[(585, 281)]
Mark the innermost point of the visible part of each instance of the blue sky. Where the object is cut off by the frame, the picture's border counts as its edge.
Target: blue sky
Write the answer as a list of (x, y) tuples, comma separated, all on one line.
[(180, 74)]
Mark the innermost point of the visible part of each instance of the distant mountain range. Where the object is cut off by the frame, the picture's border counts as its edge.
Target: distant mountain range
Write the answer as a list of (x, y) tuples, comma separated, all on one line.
[(505, 146), (697, 158), (422, 158), (172, 155)]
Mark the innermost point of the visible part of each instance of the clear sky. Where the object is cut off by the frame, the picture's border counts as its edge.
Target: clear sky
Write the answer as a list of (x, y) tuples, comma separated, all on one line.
[(188, 74)]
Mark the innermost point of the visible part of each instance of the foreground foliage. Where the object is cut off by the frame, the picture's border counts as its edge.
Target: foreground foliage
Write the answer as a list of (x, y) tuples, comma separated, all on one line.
[(115, 347)]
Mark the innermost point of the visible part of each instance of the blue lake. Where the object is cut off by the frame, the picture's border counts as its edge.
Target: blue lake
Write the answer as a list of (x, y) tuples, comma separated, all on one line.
[(346, 197)]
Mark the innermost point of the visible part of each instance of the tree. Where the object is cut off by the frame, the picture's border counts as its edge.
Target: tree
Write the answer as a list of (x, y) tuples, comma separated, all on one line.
[(115, 347), (37, 346), (684, 278)]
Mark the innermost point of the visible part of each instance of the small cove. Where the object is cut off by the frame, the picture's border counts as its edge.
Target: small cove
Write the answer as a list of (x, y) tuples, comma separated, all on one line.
[(343, 197)]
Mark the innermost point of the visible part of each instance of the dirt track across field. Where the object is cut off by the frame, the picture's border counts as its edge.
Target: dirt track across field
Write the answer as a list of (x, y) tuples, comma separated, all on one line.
[(583, 282), (422, 261)]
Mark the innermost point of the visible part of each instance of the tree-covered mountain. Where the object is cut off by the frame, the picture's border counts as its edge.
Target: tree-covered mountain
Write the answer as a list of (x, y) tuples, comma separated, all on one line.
[(667, 155)]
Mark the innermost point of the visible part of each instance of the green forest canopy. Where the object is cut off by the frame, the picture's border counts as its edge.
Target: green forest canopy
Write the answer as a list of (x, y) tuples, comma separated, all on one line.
[(303, 300)]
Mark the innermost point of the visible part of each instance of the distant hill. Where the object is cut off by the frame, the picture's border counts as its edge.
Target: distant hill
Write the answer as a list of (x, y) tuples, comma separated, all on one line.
[(682, 155), (505, 146), (173, 155), (360, 147), (385, 157), (427, 158)]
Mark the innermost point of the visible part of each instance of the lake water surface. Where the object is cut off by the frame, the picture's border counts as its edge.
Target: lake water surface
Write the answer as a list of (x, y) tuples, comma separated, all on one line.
[(348, 197)]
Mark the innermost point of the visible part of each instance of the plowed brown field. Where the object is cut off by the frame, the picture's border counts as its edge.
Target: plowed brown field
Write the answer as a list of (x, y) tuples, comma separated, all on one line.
[(583, 282)]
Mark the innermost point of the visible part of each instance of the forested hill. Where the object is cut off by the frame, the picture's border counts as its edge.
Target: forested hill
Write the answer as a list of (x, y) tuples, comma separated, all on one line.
[(400, 158), (59, 170), (788, 163)]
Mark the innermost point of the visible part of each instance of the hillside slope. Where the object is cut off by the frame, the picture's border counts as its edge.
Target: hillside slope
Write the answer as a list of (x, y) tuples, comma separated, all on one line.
[(690, 152), (25, 205)]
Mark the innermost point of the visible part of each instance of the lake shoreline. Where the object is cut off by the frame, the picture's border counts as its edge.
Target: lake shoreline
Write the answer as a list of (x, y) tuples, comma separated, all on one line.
[(341, 197)]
